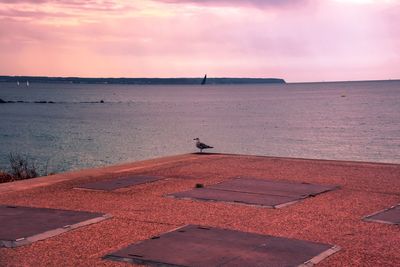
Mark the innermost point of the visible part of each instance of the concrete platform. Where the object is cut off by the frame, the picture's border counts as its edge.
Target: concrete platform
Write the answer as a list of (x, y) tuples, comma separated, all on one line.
[(261, 192), (389, 216), (25, 225), (142, 211), (119, 182), (195, 245)]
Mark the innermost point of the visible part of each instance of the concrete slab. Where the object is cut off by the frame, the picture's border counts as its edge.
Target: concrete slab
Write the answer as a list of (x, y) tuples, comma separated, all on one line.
[(24, 225), (271, 187), (388, 216), (266, 193), (207, 194), (194, 245), (120, 182)]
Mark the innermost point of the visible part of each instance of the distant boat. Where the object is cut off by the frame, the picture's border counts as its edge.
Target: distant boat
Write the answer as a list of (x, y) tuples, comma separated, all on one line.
[(204, 80), (27, 83), (17, 83)]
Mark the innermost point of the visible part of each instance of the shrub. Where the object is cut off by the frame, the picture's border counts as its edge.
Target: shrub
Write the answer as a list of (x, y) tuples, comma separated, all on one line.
[(21, 168), (5, 177)]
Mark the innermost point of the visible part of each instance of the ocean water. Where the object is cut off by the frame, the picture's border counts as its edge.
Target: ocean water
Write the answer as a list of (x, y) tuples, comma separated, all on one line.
[(357, 121)]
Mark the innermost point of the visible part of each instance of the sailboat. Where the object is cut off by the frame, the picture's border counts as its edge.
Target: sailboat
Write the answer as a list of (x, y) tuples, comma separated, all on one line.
[(17, 83), (27, 83), (203, 82)]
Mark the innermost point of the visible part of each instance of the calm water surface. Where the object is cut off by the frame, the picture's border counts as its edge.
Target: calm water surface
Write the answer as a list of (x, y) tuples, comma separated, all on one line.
[(345, 121)]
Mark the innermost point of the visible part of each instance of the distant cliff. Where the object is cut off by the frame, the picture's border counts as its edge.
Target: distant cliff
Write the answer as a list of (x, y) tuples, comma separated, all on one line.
[(192, 81)]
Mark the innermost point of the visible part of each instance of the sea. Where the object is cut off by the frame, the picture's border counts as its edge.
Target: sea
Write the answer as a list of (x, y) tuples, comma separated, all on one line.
[(61, 127)]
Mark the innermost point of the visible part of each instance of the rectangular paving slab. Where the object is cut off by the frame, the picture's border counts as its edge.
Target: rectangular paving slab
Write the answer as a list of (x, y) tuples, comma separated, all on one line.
[(266, 193), (120, 182), (24, 225), (208, 194), (194, 245), (278, 188), (389, 216)]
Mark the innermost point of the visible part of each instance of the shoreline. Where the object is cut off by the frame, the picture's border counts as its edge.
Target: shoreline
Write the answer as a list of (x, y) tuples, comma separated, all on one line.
[(130, 166)]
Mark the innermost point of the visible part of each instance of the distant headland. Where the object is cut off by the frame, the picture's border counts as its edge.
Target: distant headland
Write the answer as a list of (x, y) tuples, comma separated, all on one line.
[(150, 81)]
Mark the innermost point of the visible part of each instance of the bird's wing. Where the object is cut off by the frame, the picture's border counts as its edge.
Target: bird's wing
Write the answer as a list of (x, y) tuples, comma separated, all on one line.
[(203, 146)]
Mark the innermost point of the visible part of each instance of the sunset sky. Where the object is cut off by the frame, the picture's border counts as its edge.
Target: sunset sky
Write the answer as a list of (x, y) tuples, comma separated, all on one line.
[(298, 40)]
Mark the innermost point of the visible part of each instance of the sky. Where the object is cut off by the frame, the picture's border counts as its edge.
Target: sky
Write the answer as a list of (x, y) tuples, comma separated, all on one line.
[(297, 40)]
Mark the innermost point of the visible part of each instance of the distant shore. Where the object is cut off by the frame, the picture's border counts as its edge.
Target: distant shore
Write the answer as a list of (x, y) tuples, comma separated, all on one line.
[(150, 81)]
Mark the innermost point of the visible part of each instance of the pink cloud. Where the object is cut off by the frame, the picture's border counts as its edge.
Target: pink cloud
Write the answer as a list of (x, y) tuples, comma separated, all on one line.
[(23, 1), (326, 40), (35, 8), (257, 3)]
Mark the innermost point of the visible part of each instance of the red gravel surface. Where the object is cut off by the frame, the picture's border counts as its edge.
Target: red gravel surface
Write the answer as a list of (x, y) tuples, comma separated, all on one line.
[(142, 211)]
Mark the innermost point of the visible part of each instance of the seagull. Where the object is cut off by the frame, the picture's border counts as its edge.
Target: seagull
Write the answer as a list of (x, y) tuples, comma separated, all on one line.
[(201, 145)]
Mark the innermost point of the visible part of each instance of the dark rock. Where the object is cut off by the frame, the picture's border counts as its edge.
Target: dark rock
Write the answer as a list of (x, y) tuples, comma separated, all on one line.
[(199, 186)]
